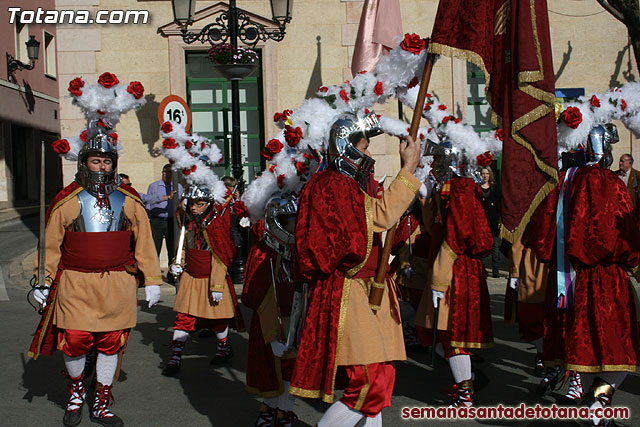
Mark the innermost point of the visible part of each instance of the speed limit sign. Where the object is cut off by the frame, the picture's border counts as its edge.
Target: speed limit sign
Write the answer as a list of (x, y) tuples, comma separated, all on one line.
[(174, 108)]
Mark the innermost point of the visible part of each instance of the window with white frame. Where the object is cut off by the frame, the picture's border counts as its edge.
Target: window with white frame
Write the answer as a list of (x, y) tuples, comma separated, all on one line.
[(49, 54), (22, 35)]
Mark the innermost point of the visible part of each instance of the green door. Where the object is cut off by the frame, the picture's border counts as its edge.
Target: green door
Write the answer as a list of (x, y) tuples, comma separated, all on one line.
[(209, 98)]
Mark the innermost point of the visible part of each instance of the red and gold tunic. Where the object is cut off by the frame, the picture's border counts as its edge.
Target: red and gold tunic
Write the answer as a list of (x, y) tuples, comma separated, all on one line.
[(600, 332), (336, 238), (208, 254), (459, 273), (94, 286), (265, 372)]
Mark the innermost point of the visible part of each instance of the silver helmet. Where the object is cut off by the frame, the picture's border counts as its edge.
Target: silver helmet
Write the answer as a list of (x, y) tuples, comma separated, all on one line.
[(345, 133), (599, 145), (448, 161), (280, 224), (96, 182), (195, 194)]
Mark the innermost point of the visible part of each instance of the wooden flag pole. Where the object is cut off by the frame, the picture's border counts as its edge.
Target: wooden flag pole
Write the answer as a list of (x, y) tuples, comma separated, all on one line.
[(377, 288)]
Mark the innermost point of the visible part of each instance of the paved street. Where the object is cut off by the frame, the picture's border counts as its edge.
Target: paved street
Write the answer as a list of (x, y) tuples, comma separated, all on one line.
[(34, 393)]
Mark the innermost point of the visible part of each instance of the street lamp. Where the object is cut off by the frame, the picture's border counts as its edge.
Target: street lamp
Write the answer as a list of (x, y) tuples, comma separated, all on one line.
[(13, 64), (231, 25)]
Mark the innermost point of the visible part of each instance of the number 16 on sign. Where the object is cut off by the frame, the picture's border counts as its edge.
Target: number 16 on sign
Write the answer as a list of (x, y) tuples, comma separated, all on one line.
[(174, 108)]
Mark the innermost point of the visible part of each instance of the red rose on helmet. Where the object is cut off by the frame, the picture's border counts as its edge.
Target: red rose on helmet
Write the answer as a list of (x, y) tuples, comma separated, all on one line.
[(193, 168), (274, 146), (594, 101), (412, 43), (323, 89), (378, 90), (442, 107), (169, 143), (167, 127), (413, 82), (485, 159), (272, 168), (623, 105), (427, 106), (499, 135), (281, 180), (277, 117), (240, 209), (61, 146), (108, 80), (102, 113), (572, 117), (203, 145), (84, 136), (344, 96), (114, 136), (75, 85), (136, 89), (457, 120), (446, 119), (186, 171), (188, 144), (292, 136), (302, 167)]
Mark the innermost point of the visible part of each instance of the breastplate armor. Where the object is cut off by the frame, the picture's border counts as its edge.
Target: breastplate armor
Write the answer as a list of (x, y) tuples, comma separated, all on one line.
[(96, 219)]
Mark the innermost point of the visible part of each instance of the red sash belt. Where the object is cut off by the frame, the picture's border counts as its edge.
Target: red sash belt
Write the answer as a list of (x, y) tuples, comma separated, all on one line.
[(97, 252), (198, 263)]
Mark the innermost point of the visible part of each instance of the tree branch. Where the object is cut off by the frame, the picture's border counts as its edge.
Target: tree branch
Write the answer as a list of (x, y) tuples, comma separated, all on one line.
[(612, 10)]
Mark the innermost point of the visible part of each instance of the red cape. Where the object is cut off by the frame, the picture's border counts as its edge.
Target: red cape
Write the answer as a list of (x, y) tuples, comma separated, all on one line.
[(332, 241)]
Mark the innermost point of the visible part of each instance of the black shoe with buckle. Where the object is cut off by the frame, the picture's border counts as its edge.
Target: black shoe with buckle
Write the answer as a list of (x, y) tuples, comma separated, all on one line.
[(73, 411), (100, 412), (550, 381), (224, 353)]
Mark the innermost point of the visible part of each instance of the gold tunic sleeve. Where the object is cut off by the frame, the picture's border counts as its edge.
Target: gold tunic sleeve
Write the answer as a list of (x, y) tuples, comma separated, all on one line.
[(145, 251), (443, 268), (60, 219), (515, 260), (395, 201)]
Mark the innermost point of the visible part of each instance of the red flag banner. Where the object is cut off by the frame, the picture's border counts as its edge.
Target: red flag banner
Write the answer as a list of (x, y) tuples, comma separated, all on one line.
[(510, 41)]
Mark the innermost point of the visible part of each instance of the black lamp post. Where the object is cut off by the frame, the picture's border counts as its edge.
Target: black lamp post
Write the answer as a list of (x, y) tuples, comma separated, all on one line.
[(231, 26), (13, 64)]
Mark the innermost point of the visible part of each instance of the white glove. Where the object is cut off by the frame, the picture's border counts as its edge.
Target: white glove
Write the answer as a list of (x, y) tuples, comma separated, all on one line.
[(175, 269), (41, 296), (437, 295), (278, 348), (514, 282), (216, 296), (152, 294), (425, 189), (245, 222)]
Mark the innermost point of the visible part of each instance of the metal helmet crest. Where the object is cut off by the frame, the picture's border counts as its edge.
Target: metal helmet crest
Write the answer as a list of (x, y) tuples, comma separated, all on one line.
[(598, 148), (345, 133), (280, 224)]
